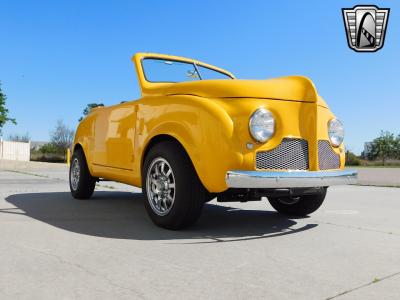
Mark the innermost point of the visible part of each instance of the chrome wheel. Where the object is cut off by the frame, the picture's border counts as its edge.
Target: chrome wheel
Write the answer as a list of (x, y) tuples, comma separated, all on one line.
[(75, 174), (160, 186)]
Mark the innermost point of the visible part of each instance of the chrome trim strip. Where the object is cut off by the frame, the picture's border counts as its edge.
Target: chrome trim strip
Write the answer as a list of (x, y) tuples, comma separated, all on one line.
[(289, 179)]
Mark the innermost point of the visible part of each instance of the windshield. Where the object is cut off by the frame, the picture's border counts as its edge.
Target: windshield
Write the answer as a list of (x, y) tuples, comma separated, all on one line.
[(164, 70)]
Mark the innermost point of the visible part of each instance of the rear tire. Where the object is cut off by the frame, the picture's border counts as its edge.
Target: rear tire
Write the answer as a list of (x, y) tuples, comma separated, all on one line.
[(81, 183), (174, 194), (298, 206)]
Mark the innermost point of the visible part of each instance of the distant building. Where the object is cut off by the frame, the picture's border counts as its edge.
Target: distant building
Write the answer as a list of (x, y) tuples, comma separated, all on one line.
[(367, 149), (15, 150)]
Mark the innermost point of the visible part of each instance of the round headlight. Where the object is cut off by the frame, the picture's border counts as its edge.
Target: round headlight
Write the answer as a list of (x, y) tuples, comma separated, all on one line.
[(262, 125), (336, 132)]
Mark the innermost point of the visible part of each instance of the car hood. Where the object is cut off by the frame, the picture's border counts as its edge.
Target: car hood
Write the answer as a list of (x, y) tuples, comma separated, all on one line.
[(290, 88)]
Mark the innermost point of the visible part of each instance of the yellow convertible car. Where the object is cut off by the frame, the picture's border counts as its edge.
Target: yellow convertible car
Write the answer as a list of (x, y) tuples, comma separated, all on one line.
[(198, 133)]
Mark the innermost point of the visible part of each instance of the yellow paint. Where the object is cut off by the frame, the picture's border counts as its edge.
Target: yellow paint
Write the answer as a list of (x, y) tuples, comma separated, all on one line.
[(68, 157), (209, 118)]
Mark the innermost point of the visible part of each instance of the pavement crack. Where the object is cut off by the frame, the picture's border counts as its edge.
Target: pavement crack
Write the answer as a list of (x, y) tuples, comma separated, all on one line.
[(34, 174), (376, 280), (360, 228), (89, 272)]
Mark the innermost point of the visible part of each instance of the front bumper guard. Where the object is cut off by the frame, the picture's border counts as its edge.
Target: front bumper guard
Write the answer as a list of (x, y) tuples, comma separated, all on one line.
[(289, 179)]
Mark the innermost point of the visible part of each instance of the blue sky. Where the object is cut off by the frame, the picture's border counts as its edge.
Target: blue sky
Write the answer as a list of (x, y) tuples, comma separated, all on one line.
[(57, 56)]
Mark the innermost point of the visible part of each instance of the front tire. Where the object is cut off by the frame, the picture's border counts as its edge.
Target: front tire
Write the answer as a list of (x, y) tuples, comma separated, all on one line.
[(81, 183), (174, 194), (298, 206)]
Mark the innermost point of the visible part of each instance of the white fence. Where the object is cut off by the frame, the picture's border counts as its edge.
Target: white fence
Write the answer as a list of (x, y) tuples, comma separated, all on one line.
[(15, 150)]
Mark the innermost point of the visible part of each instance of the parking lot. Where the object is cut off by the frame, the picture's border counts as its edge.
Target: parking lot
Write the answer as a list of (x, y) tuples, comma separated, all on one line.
[(55, 247)]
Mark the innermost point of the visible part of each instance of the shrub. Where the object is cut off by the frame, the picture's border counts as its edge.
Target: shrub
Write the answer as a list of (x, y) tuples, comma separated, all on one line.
[(50, 148), (48, 153), (352, 159)]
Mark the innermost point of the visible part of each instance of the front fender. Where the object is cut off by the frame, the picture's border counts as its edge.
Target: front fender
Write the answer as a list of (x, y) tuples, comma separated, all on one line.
[(201, 126)]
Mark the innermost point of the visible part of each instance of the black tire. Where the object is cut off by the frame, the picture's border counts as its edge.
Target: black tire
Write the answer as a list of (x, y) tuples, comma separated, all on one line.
[(84, 186), (210, 197), (189, 193), (298, 206)]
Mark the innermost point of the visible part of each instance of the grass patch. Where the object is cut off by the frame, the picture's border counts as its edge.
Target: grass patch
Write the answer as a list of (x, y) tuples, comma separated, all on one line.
[(378, 185), (375, 166), (360, 162)]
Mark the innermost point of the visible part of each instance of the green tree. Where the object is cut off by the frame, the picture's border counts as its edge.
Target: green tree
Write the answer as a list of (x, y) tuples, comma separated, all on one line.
[(397, 147), (383, 147), (4, 118), (88, 108)]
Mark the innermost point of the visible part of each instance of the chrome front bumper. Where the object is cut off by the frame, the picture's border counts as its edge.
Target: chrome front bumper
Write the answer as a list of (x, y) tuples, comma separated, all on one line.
[(289, 179)]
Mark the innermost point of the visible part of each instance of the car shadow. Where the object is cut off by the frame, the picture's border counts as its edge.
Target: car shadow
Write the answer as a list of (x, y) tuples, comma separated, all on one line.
[(122, 215)]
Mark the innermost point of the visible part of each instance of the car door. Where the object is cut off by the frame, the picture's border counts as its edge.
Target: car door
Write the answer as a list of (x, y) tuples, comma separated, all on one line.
[(115, 137)]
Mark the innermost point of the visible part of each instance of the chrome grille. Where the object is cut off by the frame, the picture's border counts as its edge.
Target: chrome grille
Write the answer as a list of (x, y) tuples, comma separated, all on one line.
[(290, 154), (327, 158)]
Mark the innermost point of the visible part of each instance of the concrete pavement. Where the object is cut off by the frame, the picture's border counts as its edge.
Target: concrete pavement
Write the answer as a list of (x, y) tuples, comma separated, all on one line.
[(56, 247), (378, 176)]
